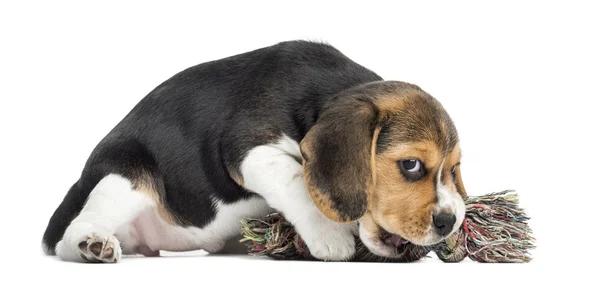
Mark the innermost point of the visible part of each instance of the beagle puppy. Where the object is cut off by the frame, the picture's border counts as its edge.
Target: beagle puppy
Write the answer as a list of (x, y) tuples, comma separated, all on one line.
[(296, 127)]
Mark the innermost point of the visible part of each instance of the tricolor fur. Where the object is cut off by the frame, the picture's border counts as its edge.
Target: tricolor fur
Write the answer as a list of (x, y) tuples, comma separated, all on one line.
[(296, 127)]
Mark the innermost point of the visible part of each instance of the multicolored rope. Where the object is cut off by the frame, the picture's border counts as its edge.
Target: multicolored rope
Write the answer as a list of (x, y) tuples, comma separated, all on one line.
[(495, 230)]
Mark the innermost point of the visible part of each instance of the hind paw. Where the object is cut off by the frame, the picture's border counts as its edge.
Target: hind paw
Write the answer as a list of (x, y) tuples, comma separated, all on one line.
[(104, 249)]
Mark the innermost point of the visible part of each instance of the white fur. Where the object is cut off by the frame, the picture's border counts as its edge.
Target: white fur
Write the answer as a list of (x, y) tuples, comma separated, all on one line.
[(128, 219), (149, 230), (273, 172), (374, 243), (445, 198), (449, 201), (111, 204)]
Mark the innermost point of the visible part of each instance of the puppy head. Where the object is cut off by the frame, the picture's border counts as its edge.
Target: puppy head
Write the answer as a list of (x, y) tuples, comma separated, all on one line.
[(386, 154)]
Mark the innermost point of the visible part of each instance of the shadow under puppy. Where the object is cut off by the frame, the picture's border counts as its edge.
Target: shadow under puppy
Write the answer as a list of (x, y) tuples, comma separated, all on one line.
[(295, 127)]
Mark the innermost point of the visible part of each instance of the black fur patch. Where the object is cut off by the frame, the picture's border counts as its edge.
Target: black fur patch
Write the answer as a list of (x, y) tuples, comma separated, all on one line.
[(193, 130)]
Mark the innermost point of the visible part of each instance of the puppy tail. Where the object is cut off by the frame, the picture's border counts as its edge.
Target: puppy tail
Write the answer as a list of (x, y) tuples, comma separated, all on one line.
[(63, 215)]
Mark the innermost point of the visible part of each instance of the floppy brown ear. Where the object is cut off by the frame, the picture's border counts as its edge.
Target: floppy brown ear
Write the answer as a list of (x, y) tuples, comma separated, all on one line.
[(336, 156)]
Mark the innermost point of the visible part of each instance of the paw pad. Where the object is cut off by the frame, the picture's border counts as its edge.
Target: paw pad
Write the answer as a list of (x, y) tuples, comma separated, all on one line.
[(100, 249)]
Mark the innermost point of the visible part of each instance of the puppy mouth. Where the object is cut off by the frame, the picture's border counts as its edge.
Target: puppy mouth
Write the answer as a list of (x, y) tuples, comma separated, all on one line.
[(389, 247), (394, 241)]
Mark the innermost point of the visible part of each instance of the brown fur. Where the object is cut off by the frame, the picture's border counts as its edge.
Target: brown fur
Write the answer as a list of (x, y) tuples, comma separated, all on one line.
[(326, 206), (336, 157), (454, 158), (236, 175), (145, 184), (405, 123)]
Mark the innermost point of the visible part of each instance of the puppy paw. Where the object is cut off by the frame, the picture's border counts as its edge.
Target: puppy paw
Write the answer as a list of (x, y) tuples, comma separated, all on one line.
[(105, 249), (330, 243)]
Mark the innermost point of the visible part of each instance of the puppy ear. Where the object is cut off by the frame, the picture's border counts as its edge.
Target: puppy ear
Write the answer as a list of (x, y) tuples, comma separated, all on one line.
[(459, 183), (336, 154)]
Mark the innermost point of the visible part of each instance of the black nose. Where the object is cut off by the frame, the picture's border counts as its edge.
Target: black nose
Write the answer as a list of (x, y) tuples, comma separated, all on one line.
[(443, 223)]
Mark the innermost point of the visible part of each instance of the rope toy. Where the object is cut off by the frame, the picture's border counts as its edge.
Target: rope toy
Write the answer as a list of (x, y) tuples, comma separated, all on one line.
[(495, 230)]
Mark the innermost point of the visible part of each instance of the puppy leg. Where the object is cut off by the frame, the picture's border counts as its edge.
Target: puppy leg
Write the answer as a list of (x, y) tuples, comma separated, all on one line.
[(274, 173), (90, 236)]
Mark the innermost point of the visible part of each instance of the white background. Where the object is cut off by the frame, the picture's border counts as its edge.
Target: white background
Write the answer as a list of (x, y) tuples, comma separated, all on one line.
[(520, 80)]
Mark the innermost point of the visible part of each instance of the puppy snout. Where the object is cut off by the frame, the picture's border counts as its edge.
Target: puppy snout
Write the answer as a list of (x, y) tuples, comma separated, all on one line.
[(444, 223)]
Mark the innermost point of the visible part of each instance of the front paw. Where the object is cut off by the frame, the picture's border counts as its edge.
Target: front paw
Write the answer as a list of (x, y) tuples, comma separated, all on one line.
[(330, 243)]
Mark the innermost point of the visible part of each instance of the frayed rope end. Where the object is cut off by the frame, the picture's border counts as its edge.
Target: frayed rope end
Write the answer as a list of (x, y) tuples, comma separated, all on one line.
[(495, 230)]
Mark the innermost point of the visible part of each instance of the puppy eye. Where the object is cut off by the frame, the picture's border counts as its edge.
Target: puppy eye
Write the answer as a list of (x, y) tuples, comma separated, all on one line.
[(412, 169), (412, 166), (453, 171)]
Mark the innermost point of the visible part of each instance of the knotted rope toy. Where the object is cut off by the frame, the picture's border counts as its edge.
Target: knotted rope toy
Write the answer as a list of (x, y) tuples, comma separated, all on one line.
[(495, 230)]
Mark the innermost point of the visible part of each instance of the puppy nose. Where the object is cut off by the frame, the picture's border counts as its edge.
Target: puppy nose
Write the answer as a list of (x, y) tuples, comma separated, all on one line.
[(444, 223)]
